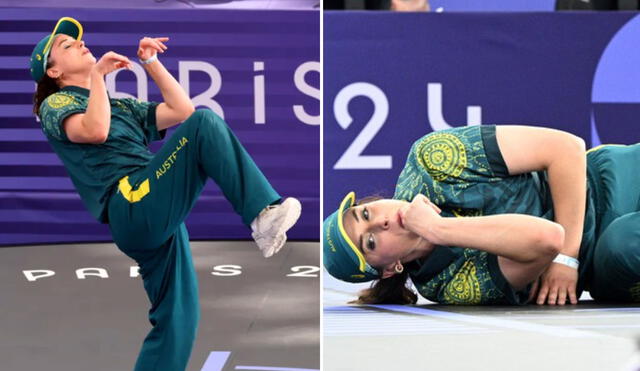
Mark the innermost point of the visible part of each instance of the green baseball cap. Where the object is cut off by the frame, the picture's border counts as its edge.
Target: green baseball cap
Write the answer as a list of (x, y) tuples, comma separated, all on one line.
[(342, 258), (38, 61)]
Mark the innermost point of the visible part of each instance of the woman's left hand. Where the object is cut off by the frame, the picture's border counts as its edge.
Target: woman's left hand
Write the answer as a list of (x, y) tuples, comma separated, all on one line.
[(149, 46), (557, 284)]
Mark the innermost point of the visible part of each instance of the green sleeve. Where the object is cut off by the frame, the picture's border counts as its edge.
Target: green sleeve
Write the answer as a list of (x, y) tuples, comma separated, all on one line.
[(443, 165), (57, 107), (145, 114), (473, 278), (461, 155)]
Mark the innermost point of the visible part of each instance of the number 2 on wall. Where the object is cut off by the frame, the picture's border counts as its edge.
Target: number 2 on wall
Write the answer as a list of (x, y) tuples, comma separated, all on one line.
[(353, 158)]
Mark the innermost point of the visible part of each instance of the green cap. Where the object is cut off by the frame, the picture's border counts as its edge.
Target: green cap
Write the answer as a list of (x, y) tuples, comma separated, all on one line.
[(342, 258), (38, 61)]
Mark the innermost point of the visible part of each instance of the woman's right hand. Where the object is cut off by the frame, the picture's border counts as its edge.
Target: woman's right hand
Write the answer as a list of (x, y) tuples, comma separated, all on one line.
[(110, 62), (420, 215)]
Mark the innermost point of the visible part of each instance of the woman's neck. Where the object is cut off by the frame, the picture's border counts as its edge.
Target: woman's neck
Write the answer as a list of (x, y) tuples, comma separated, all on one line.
[(81, 81), (422, 249)]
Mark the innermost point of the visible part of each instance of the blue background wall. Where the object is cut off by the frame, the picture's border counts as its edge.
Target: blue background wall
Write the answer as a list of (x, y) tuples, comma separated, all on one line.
[(391, 78), (37, 200)]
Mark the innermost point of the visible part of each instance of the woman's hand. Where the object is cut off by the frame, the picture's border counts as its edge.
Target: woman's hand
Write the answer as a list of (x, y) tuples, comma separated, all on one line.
[(419, 215), (149, 46), (557, 284), (110, 62), (534, 290)]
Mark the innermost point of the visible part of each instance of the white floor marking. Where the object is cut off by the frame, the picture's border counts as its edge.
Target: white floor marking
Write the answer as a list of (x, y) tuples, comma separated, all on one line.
[(491, 321)]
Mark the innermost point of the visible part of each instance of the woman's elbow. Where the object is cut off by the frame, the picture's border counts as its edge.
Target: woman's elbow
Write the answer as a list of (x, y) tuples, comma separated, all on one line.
[(100, 137), (551, 239), (188, 112), (575, 144)]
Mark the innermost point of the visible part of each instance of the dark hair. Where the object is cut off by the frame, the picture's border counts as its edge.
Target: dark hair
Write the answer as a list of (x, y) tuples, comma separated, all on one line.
[(46, 87), (391, 290)]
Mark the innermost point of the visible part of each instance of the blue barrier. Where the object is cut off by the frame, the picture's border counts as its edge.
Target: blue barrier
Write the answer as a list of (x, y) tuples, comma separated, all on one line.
[(391, 78)]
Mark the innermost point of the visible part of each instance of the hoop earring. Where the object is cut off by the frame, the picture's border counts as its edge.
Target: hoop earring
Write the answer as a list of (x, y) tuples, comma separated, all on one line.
[(399, 268)]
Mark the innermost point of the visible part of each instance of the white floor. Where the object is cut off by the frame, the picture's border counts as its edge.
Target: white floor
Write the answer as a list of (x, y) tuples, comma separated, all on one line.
[(435, 337)]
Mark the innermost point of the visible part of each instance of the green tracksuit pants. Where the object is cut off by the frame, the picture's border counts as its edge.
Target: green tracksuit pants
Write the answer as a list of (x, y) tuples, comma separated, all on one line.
[(146, 219), (614, 172)]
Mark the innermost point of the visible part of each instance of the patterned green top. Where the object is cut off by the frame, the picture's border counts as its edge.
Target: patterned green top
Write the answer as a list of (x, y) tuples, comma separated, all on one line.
[(463, 172), (96, 168)]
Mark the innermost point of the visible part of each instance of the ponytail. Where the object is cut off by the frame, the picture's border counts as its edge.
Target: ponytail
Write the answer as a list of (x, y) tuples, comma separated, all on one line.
[(46, 87), (392, 290)]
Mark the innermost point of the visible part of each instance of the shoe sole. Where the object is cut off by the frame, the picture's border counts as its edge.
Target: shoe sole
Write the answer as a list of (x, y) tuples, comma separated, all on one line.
[(290, 219)]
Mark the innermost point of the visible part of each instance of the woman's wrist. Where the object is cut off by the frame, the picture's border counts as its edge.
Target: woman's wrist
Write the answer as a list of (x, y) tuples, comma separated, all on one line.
[(95, 72), (152, 59), (435, 230), (567, 260)]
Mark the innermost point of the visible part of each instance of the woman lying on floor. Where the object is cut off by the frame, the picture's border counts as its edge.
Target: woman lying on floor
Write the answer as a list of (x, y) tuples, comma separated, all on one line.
[(496, 215)]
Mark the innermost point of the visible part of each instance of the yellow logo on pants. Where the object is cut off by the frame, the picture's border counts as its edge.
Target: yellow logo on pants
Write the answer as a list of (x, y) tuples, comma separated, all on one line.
[(171, 159), (133, 196)]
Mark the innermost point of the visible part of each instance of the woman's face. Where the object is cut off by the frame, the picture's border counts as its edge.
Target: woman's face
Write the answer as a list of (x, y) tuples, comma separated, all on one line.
[(376, 229), (69, 57)]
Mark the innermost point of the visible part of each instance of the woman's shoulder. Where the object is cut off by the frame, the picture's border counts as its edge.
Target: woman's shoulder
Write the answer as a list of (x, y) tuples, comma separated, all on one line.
[(453, 139), (61, 100)]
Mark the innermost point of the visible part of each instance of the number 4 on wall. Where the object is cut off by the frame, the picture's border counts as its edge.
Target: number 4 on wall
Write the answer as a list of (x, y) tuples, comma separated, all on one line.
[(434, 105)]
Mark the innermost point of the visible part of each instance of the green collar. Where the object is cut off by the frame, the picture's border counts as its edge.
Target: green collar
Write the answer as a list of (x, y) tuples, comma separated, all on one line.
[(76, 89), (424, 269), (79, 90)]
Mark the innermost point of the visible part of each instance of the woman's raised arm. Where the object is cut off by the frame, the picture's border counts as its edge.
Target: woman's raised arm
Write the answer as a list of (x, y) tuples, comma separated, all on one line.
[(177, 106)]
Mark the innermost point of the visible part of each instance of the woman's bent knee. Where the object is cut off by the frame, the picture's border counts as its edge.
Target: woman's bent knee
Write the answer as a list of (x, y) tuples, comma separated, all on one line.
[(620, 240)]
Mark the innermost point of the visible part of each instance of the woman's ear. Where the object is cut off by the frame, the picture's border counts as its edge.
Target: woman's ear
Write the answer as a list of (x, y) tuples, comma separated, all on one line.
[(53, 73), (392, 269)]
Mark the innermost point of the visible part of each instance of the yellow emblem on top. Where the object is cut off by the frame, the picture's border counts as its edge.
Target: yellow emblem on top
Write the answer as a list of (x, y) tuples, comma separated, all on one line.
[(60, 100), (442, 155), (464, 288)]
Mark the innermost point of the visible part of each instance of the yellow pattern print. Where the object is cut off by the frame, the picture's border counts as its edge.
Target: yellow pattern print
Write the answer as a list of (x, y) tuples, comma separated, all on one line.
[(442, 155), (464, 288), (122, 106), (459, 212), (60, 100)]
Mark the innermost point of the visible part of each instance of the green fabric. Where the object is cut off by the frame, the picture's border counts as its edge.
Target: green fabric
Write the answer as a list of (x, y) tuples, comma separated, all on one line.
[(610, 261), (146, 221), (453, 275), (616, 262), (171, 284), (462, 171), (96, 169), (338, 257)]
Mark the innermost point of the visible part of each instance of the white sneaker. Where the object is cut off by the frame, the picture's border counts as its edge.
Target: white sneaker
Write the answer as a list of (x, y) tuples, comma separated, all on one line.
[(270, 226)]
